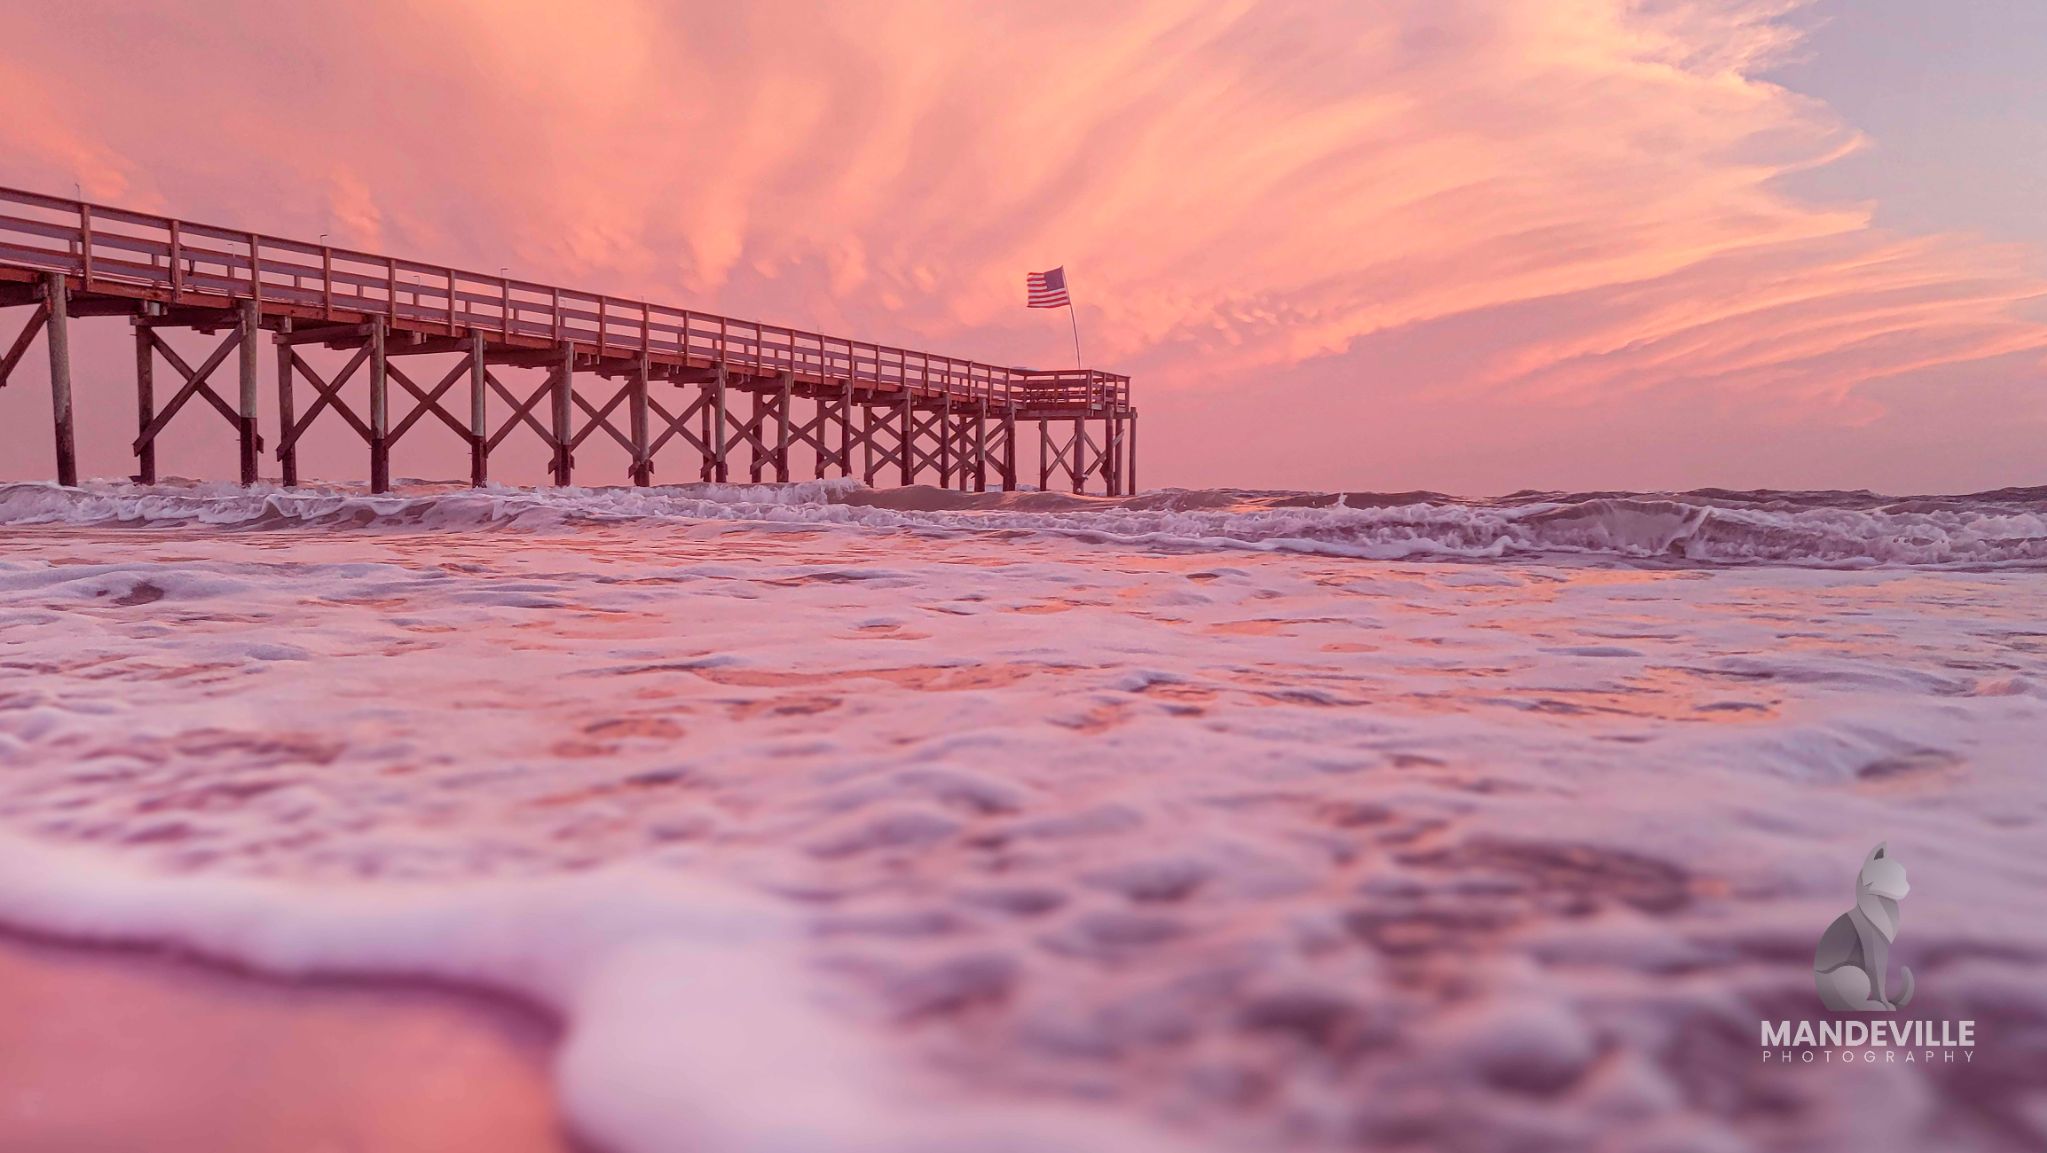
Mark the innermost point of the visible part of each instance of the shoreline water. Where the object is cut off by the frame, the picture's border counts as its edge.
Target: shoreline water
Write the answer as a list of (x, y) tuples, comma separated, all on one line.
[(2002, 529), (1141, 846)]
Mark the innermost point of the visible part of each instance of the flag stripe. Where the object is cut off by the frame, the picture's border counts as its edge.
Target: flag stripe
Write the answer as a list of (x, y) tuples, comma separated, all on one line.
[(1047, 289)]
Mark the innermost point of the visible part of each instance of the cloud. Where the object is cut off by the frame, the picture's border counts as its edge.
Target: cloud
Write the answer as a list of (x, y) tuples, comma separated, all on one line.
[(1235, 189)]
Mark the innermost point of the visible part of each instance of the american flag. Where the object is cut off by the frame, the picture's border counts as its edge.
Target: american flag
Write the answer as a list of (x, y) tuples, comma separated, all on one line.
[(1048, 289)]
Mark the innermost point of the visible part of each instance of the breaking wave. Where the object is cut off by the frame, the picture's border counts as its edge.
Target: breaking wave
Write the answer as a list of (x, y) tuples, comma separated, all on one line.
[(2002, 529)]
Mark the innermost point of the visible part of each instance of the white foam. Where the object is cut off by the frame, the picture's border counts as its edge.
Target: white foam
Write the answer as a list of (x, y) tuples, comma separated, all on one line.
[(690, 1021), (1995, 530), (1180, 841)]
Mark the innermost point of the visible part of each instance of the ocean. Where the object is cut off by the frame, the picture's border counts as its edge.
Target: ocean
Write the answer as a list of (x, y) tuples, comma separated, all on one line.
[(824, 818)]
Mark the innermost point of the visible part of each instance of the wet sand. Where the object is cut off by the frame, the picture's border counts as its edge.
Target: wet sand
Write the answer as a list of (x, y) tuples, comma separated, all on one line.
[(106, 1049)]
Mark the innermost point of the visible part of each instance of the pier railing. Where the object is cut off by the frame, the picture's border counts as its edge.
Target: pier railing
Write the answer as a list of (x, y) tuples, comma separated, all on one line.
[(116, 251)]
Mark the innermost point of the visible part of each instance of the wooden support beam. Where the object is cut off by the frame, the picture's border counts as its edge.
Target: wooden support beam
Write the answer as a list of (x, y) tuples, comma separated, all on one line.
[(287, 445), (417, 345), (1134, 490), (846, 432), (427, 402), (522, 410), (867, 429), (36, 320), (56, 299), (1009, 449), (782, 428), (909, 440), (750, 430), (564, 385), (1079, 455), (336, 335), (380, 415), (145, 404), (981, 448), (643, 456), (479, 426), (706, 440), (821, 422), (250, 315), (1044, 455), (718, 471), (328, 395)]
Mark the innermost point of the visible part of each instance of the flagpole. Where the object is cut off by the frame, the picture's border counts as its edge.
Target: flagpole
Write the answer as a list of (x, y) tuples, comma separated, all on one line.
[(1070, 311)]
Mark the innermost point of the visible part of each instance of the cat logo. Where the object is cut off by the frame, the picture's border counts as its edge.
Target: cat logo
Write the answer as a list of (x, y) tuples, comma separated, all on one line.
[(1852, 963)]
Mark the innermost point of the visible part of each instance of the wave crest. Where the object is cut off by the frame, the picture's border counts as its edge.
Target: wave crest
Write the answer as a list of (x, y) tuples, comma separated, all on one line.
[(2007, 528)]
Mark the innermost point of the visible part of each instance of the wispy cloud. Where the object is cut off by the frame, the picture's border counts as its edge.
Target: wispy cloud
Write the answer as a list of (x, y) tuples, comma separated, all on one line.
[(1235, 189)]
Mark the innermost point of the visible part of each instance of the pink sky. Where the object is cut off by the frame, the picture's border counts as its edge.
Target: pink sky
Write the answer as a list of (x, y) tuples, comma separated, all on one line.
[(1400, 244)]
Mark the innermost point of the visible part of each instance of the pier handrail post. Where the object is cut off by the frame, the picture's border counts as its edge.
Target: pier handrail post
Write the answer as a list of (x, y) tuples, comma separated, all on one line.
[(85, 247)]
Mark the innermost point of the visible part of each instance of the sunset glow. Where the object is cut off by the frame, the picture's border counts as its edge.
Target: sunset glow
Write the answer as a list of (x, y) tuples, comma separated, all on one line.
[(1507, 244)]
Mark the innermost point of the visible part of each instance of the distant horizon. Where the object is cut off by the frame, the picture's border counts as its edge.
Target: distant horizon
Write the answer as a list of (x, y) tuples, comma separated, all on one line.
[(401, 483)]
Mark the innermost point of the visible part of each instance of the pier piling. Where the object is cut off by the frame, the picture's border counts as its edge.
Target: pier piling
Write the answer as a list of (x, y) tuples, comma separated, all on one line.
[(56, 297)]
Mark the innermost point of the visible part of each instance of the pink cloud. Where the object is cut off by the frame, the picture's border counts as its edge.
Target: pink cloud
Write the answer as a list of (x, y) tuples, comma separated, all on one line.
[(1236, 190)]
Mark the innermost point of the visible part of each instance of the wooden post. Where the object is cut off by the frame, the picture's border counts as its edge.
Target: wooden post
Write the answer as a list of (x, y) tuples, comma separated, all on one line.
[(177, 264), (1009, 449), (56, 294), (1079, 454), (704, 436), (945, 461), (85, 246), (1133, 454), (823, 420), (1044, 453), (909, 438), (479, 428), (754, 462), (718, 418), (867, 423), (380, 450), (287, 447), (643, 463), (981, 448), (1116, 455), (782, 429), (246, 424), (145, 404), (846, 432), (564, 384)]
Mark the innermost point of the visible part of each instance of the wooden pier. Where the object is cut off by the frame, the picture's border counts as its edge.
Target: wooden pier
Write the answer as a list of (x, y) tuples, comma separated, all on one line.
[(561, 364)]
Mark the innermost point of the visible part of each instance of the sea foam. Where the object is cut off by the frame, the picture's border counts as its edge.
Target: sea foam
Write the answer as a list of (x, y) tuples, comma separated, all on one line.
[(1824, 529)]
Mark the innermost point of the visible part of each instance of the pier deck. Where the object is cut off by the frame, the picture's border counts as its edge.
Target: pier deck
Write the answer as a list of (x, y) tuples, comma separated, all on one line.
[(881, 413)]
